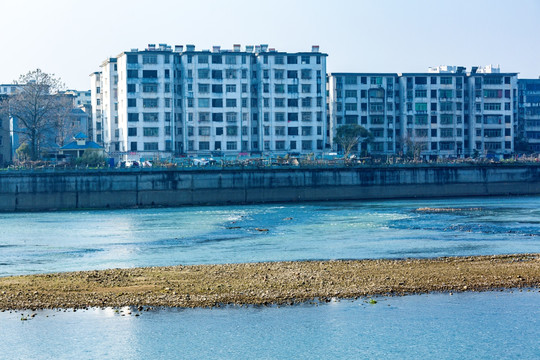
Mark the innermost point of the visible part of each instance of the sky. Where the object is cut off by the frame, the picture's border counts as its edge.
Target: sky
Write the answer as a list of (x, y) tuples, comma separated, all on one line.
[(71, 38)]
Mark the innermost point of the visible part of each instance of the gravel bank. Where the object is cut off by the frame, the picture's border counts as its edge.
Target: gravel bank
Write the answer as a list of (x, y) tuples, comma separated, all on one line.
[(267, 283)]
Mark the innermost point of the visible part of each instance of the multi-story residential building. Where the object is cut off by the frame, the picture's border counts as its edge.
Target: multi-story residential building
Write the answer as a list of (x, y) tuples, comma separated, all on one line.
[(434, 110), (292, 101), (96, 127), (219, 98), (368, 99), (201, 102), (529, 113), (493, 111), (445, 112)]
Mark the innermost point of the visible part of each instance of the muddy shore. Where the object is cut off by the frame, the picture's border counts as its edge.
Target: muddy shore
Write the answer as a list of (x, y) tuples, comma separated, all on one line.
[(267, 283)]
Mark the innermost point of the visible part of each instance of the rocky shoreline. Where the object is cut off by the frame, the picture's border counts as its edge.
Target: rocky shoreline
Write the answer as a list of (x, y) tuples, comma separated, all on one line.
[(267, 283)]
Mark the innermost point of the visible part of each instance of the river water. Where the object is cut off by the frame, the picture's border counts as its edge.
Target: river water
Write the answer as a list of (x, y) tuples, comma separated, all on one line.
[(486, 325), (86, 240)]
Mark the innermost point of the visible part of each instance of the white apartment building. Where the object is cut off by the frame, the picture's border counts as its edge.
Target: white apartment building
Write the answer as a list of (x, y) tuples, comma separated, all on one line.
[(160, 102), (433, 111), (95, 102), (219, 98), (292, 101), (368, 99), (445, 112), (493, 112)]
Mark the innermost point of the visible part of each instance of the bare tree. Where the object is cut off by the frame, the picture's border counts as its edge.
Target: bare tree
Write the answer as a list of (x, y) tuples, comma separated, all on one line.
[(36, 106), (348, 136)]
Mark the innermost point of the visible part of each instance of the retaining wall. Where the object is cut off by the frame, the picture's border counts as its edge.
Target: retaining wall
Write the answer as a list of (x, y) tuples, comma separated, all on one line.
[(44, 190)]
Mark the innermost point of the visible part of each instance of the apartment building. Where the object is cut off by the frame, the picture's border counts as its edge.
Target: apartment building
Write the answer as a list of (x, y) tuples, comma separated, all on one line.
[(368, 99), (493, 111), (292, 101), (433, 111), (5, 140), (164, 102), (96, 100), (529, 113), (444, 112)]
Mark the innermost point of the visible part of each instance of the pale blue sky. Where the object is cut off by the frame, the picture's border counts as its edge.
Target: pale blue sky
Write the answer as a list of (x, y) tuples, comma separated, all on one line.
[(72, 37)]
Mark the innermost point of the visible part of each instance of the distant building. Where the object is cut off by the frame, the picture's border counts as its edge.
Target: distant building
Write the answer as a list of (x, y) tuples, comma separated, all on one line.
[(529, 113), (5, 139), (78, 146), (368, 99), (445, 112), (160, 102)]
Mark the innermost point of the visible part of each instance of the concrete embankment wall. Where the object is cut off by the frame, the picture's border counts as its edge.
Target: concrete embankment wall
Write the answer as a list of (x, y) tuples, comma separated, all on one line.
[(35, 190)]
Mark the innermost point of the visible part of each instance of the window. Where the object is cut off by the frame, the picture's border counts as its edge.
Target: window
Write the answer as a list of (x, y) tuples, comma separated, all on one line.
[(132, 117), (217, 89), (492, 80), (150, 88), (230, 88), (292, 117), (149, 59), (204, 131), (203, 73), (150, 131), (231, 117), (230, 102), (307, 145), (279, 102), (292, 131), (292, 89), (202, 59), (279, 117), (306, 130), (232, 145), (492, 106), (203, 116), (230, 60), (230, 74), (150, 117), (204, 145), (219, 131), (217, 74), (132, 59), (150, 103), (291, 59), (279, 88), (305, 59), (420, 107), (132, 131), (149, 74), (306, 74), (218, 117), (279, 60), (132, 74), (133, 146), (216, 59), (217, 103), (131, 103), (292, 102), (150, 146), (204, 88), (203, 102), (131, 88), (446, 80), (292, 74), (306, 116)]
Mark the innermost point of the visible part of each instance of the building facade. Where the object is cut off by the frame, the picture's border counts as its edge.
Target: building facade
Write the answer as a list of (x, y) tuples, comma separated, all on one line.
[(164, 102), (368, 99), (445, 112), (528, 128)]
